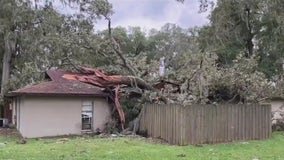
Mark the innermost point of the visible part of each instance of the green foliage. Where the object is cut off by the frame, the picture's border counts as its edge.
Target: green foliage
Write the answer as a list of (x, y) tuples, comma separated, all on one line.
[(271, 42), (249, 27), (131, 108), (45, 39), (240, 83)]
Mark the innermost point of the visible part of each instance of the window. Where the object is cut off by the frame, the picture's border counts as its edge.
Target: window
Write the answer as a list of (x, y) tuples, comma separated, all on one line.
[(87, 115)]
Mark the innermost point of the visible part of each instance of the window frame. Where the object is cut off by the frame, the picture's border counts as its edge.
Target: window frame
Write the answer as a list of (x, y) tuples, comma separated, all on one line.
[(90, 112)]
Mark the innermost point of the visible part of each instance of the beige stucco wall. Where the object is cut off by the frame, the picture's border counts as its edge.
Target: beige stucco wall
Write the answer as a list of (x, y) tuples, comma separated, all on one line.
[(102, 113), (277, 108), (54, 116)]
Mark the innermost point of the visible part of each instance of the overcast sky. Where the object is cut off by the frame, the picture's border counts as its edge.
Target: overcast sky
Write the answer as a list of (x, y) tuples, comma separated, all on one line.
[(155, 13), (152, 13)]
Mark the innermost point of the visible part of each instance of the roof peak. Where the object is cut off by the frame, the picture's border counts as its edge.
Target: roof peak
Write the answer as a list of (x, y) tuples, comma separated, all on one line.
[(57, 74)]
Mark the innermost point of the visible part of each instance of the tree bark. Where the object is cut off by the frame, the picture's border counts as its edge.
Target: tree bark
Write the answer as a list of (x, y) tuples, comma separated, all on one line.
[(249, 43), (6, 62), (117, 50), (119, 108), (125, 64), (98, 78)]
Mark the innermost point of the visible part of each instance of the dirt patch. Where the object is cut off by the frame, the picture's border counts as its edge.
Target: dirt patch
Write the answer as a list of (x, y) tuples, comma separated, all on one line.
[(148, 139), (9, 132), (157, 141), (14, 133)]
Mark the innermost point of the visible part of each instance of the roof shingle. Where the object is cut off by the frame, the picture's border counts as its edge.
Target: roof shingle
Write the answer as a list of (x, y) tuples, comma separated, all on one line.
[(60, 86)]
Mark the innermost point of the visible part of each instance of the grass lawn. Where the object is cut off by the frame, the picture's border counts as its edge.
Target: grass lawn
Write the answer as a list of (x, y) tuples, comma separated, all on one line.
[(80, 148)]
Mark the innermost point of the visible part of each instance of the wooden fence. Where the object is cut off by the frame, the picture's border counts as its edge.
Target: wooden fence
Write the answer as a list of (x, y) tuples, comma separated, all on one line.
[(198, 124)]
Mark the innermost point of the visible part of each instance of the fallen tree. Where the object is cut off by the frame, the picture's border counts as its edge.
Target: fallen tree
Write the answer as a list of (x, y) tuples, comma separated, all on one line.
[(195, 78), (98, 78)]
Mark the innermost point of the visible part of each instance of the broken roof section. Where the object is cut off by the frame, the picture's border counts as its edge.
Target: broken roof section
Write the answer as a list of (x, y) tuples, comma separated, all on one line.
[(61, 86)]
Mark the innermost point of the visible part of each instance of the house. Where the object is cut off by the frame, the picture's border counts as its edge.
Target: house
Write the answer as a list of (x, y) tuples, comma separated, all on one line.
[(277, 109), (58, 107)]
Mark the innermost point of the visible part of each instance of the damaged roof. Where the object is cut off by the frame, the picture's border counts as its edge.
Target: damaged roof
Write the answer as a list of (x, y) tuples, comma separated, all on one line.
[(57, 85)]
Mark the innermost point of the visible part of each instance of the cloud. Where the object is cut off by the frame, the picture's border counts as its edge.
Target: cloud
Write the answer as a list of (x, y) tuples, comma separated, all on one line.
[(138, 21), (155, 13), (191, 16), (149, 14)]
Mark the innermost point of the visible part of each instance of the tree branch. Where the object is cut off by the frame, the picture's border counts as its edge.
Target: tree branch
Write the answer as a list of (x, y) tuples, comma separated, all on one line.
[(118, 51)]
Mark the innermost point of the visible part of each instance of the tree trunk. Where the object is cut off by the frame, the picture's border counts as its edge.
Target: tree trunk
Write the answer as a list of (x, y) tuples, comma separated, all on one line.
[(98, 78), (6, 62), (249, 43)]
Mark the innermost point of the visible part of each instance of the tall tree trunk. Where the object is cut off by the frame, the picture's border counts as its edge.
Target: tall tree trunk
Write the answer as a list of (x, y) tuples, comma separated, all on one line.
[(249, 43), (6, 62)]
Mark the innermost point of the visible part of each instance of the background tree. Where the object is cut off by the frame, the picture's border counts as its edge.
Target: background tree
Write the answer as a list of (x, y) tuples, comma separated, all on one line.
[(248, 27), (54, 36)]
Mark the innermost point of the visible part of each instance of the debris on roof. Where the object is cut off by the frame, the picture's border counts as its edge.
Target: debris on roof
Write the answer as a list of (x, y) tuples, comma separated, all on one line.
[(61, 86)]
